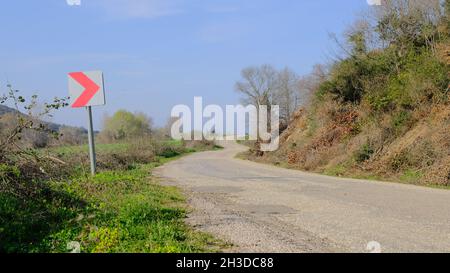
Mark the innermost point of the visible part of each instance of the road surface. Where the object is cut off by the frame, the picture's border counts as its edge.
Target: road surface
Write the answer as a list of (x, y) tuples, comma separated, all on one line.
[(262, 208)]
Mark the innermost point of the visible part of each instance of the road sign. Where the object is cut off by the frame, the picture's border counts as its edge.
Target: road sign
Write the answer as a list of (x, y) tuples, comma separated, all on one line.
[(86, 89)]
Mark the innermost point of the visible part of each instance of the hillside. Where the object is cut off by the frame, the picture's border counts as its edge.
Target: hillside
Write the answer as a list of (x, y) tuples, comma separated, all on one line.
[(381, 112), (419, 155), (5, 109), (52, 126)]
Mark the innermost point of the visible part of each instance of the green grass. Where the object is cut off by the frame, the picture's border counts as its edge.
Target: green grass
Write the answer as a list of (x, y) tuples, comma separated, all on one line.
[(174, 142), (105, 148), (128, 211), (411, 176), (338, 170), (116, 211)]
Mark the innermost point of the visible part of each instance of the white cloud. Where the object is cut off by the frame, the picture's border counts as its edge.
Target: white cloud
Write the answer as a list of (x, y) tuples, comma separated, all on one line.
[(123, 9)]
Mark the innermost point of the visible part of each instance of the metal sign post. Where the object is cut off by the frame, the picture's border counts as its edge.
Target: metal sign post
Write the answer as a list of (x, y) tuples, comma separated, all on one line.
[(86, 89), (91, 142)]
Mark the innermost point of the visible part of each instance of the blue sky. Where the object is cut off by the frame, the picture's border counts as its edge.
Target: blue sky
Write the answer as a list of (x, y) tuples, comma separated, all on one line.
[(159, 53)]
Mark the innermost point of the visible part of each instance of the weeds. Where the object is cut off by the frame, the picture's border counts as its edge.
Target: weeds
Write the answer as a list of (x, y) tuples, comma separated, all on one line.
[(411, 176), (338, 170), (364, 153), (121, 209)]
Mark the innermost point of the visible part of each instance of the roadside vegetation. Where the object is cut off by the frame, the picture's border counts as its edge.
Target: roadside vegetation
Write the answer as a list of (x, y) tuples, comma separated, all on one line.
[(380, 109), (49, 202)]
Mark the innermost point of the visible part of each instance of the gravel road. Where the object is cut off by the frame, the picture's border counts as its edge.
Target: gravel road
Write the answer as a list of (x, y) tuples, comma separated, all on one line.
[(262, 208)]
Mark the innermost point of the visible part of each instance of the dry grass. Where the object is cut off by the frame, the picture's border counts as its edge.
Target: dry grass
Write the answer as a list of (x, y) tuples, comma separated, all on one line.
[(346, 141)]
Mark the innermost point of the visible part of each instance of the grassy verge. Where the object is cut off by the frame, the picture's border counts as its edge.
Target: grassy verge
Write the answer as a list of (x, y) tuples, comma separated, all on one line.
[(128, 211), (121, 209)]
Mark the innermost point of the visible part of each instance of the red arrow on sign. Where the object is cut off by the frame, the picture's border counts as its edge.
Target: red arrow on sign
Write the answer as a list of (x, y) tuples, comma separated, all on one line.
[(90, 89)]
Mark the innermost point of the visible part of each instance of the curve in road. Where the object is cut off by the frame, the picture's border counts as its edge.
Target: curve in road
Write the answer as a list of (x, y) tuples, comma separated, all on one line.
[(262, 208)]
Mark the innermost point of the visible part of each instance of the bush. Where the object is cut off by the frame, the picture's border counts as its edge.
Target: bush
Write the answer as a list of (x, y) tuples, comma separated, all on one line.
[(364, 153), (401, 121), (345, 83), (125, 125), (169, 151)]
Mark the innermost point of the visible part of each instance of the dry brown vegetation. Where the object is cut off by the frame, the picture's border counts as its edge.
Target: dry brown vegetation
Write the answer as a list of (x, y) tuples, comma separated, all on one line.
[(380, 112), (420, 155)]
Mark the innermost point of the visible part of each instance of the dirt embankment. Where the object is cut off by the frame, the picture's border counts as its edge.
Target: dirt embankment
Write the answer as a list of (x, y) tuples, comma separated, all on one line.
[(344, 141)]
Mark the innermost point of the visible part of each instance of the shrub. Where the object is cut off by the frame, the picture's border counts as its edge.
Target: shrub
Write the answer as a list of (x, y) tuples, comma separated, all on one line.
[(401, 121), (169, 152), (126, 125), (401, 161), (364, 153), (345, 82)]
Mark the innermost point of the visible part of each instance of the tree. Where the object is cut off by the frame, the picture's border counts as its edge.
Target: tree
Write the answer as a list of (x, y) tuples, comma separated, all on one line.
[(258, 85), (125, 125), (310, 84), (357, 38), (286, 95), (168, 127), (406, 23)]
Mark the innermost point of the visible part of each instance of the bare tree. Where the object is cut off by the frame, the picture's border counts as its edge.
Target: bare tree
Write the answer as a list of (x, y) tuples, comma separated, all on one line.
[(168, 127), (258, 85), (310, 84), (286, 96)]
